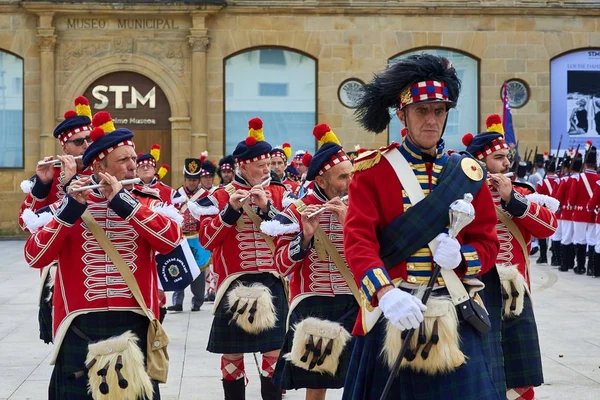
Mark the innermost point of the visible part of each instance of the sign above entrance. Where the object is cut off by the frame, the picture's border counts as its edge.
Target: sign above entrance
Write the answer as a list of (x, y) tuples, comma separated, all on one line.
[(105, 23), (133, 100)]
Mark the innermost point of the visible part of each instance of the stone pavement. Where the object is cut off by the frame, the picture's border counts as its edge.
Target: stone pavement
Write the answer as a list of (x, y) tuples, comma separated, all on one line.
[(567, 309)]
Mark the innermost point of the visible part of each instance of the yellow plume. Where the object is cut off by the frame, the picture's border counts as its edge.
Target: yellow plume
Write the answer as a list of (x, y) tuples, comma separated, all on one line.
[(107, 126), (155, 151), (162, 171)]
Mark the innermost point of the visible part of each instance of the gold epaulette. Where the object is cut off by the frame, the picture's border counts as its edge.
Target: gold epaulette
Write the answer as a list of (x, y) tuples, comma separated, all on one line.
[(366, 160)]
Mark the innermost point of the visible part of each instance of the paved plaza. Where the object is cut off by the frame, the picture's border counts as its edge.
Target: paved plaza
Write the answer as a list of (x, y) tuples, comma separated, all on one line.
[(567, 309)]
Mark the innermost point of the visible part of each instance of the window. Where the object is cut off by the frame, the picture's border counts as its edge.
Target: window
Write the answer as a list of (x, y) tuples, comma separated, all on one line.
[(464, 117), (11, 111), (285, 99), (273, 89)]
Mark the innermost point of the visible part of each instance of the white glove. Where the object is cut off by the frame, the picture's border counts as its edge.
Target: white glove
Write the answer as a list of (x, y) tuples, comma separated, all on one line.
[(404, 310), (447, 254)]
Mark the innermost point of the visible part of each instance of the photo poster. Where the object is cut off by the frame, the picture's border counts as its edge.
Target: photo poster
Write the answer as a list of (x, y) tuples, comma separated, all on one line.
[(575, 100)]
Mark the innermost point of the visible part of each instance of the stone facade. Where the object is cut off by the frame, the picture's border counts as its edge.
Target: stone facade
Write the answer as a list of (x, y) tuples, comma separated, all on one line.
[(348, 38)]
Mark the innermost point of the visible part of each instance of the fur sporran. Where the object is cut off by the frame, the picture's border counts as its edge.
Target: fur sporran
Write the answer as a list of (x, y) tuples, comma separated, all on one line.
[(252, 307), (513, 290), (116, 369), (318, 345), (435, 348)]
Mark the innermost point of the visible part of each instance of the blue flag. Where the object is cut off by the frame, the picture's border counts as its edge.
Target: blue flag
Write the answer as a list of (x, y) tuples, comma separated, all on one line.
[(507, 124)]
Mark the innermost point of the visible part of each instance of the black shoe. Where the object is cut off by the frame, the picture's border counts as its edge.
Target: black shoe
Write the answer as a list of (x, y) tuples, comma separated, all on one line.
[(196, 308), (542, 259), (596, 265), (581, 257), (210, 297), (590, 265), (534, 251), (555, 259), (175, 307), (268, 390), (234, 390), (566, 254)]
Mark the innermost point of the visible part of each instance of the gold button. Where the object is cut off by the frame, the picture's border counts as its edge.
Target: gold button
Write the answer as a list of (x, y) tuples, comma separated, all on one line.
[(411, 266), (412, 279)]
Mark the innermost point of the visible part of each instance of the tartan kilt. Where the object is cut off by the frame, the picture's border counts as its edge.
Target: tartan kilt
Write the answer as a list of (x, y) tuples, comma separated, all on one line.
[(45, 310), (73, 351), (521, 345), (492, 298), (287, 376), (368, 372), (228, 338)]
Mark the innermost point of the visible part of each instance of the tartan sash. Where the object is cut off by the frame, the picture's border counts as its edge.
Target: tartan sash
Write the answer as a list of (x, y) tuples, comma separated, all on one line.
[(418, 225)]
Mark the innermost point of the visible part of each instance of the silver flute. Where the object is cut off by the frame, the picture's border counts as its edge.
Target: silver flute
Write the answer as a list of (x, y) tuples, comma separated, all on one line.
[(98, 186), (56, 161), (319, 211), (264, 183)]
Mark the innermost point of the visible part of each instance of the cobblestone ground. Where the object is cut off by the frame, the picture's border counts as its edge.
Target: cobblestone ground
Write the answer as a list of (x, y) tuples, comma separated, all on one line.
[(567, 310)]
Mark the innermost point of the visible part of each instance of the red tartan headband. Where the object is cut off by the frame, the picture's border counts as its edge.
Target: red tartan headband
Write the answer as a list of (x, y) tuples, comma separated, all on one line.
[(67, 134), (279, 153), (261, 157), (424, 91), (106, 152), (150, 161), (334, 160), (494, 145), (226, 167)]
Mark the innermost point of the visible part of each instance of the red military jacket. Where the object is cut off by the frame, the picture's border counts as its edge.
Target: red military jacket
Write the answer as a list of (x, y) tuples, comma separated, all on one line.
[(580, 193), (236, 243), (564, 187), (533, 214), (312, 271), (594, 203), (549, 187), (377, 198), (191, 224), (41, 195), (165, 192), (86, 280), (290, 185)]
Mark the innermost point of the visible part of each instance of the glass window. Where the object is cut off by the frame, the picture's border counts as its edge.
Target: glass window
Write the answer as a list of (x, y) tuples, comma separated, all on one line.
[(461, 119), (285, 99), (11, 111)]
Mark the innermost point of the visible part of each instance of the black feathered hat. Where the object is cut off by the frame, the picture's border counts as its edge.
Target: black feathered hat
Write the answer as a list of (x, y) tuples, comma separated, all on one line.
[(414, 79)]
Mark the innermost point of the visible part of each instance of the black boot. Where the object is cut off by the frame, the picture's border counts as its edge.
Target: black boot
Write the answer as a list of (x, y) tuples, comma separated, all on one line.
[(235, 390), (581, 256), (596, 265), (555, 260), (565, 250), (543, 258), (268, 390), (590, 265)]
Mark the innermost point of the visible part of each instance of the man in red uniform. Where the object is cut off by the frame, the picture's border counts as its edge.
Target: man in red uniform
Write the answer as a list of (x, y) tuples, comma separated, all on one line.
[(244, 266), (387, 239), (317, 289), (92, 302), (279, 158), (151, 178), (566, 213), (594, 207), (226, 170), (523, 214), (549, 187), (583, 219), (47, 187)]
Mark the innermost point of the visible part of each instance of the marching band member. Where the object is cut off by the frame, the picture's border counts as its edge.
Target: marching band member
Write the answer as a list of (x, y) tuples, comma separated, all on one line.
[(594, 207), (226, 170), (198, 176), (386, 244), (151, 177), (549, 187), (522, 214), (251, 304), (319, 295), (566, 213), (279, 158), (47, 187), (92, 301)]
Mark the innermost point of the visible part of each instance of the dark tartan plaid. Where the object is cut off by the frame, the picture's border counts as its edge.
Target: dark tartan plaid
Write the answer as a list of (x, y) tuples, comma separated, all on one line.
[(367, 373), (418, 225), (492, 298), (73, 351), (288, 376), (45, 312), (228, 338), (520, 342)]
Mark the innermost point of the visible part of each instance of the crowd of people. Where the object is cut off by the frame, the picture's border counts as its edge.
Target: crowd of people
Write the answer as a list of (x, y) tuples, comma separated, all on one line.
[(318, 261)]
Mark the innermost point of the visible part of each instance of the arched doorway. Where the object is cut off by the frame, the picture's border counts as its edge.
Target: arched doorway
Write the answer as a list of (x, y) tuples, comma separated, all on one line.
[(138, 103)]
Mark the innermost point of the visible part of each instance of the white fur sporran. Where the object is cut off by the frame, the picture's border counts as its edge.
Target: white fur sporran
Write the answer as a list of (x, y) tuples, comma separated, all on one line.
[(318, 345), (116, 369), (435, 347), (513, 290), (252, 307)]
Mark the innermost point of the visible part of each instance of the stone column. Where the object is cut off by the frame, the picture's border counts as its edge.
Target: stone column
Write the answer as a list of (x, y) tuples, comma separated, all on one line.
[(46, 40), (199, 42), (180, 146)]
